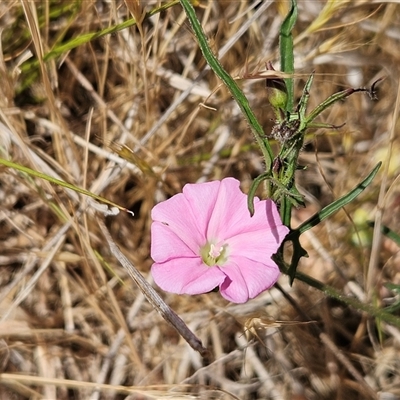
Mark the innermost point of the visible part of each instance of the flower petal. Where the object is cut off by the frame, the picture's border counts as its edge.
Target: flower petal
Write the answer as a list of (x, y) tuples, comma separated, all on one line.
[(257, 245), (246, 278), (201, 198), (229, 209), (266, 210), (231, 216), (175, 214), (186, 276), (166, 244)]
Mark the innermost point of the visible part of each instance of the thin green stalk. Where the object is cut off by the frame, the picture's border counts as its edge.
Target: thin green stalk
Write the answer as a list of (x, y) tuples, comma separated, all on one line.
[(287, 65), (232, 86), (336, 294), (286, 52), (350, 301)]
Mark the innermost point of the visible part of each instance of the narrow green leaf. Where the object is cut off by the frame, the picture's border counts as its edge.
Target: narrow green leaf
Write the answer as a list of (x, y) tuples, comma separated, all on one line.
[(334, 98), (294, 235), (336, 205)]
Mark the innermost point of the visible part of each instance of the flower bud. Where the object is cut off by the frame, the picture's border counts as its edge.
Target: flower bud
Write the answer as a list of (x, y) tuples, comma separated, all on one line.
[(277, 92)]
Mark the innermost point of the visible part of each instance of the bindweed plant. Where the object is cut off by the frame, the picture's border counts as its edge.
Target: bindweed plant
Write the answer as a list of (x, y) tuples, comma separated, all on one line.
[(292, 121)]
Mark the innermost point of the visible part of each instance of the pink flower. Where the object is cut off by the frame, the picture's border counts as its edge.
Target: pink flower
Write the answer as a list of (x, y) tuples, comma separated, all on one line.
[(204, 238)]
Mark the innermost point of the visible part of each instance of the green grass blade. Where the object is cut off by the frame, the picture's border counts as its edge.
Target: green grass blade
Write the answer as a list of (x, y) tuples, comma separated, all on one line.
[(59, 182), (86, 38)]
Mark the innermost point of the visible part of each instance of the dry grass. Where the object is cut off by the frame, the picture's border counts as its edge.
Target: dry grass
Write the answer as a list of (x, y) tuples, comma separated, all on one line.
[(73, 325)]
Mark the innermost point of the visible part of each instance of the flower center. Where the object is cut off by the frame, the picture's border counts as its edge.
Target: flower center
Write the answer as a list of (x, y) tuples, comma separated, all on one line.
[(214, 253)]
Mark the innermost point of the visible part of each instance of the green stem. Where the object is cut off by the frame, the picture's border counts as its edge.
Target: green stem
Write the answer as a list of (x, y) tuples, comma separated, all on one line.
[(350, 301), (232, 86), (287, 65), (286, 52), (336, 294), (329, 101), (285, 211)]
